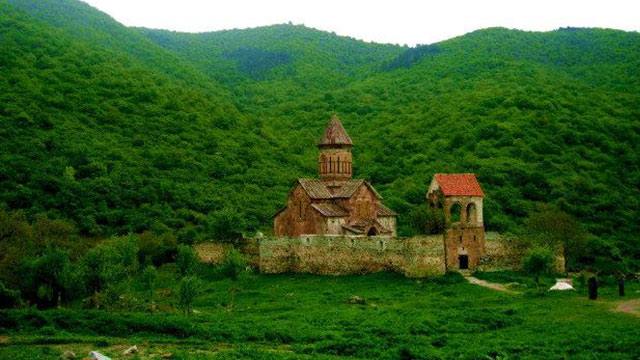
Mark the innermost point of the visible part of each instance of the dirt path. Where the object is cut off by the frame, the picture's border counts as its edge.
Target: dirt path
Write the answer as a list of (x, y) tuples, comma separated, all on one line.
[(629, 307), (489, 285), (4, 339)]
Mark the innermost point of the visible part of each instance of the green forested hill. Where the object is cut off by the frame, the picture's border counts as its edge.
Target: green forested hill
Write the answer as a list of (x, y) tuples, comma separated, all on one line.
[(93, 134), (121, 129), (280, 52)]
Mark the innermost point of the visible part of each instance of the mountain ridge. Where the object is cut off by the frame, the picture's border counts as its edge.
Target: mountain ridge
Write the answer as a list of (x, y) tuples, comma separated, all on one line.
[(152, 130)]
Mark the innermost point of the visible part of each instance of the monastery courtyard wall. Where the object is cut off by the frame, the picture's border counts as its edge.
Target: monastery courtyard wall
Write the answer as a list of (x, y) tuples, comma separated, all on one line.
[(414, 257), (418, 256)]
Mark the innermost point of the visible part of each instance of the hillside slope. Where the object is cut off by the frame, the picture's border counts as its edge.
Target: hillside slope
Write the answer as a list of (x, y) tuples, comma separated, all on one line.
[(126, 129), (92, 134), (277, 52), (565, 133)]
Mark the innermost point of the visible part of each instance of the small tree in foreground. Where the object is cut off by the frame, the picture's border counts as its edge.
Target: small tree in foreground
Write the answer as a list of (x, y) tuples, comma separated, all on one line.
[(190, 287), (537, 262), (233, 265), (186, 260), (149, 276)]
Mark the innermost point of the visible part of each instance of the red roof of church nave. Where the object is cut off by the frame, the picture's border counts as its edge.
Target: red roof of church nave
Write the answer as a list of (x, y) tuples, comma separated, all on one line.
[(459, 184)]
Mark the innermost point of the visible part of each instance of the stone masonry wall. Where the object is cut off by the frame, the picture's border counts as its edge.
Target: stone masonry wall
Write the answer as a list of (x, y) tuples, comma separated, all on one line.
[(502, 254), (464, 240), (414, 257), (418, 256)]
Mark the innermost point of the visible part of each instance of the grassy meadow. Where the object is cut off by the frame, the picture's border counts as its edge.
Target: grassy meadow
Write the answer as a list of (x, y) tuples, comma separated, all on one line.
[(305, 316)]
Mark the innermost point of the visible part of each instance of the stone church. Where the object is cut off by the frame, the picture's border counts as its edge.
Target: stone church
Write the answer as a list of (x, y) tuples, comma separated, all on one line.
[(338, 225), (335, 204)]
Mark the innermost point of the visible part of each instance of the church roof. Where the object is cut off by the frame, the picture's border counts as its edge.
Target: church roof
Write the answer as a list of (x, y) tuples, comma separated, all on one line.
[(361, 226), (385, 211), (335, 134), (319, 190), (459, 185), (315, 188), (330, 210)]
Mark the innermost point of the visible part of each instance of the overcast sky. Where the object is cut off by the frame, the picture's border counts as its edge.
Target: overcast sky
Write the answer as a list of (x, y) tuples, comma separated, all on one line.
[(394, 21)]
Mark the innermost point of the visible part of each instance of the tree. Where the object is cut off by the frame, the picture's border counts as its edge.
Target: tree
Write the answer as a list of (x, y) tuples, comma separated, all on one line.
[(109, 262), (149, 276), (427, 220), (190, 288), (538, 261), (158, 249), (48, 278), (186, 260), (556, 229), (225, 225), (234, 263)]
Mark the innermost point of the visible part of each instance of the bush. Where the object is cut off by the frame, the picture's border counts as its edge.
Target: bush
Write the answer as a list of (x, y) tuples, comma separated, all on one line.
[(538, 261), (47, 279), (8, 298), (190, 288), (427, 220), (156, 249), (552, 228), (225, 225), (234, 263), (110, 261), (149, 276), (186, 260)]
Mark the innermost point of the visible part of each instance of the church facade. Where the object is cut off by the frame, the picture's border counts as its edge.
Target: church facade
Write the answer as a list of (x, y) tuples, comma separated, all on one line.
[(335, 204)]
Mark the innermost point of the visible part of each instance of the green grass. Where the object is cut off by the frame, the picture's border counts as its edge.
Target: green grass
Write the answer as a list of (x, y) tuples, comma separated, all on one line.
[(304, 316)]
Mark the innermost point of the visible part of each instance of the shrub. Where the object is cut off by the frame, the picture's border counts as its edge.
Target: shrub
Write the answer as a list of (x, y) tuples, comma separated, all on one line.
[(225, 225), (190, 288), (552, 228), (110, 261), (48, 278), (149, 276), (8, 298), (186, 260), (427, 220), (234, 263), (157, 249), (538, 261)]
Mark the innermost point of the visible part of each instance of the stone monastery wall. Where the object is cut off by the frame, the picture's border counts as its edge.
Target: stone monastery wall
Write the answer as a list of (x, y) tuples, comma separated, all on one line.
[(418, 256), (414, 257)]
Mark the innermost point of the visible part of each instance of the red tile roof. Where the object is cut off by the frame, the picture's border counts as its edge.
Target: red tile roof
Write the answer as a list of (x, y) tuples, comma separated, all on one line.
[(459, 185), (335, 134)]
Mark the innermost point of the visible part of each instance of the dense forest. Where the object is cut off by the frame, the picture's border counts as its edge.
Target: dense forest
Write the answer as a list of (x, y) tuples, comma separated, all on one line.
[(115, 130)]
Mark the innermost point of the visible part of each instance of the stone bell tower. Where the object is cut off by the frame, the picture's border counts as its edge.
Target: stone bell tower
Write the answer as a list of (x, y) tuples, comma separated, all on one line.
[(334, 162)]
